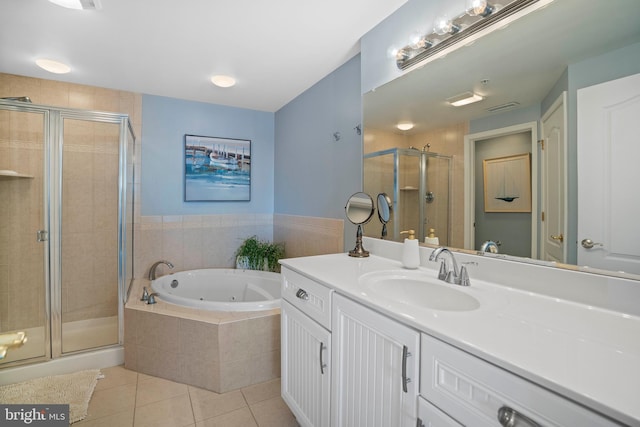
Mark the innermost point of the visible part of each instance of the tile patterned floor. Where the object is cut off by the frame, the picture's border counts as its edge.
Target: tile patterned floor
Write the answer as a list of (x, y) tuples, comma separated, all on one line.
[(125, 398)]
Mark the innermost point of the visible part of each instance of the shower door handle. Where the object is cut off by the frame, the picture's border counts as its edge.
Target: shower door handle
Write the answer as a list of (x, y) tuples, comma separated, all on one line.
[(42, 235)]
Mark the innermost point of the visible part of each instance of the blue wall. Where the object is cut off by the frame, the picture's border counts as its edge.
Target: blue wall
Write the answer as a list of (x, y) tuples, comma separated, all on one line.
[(165, 121), (315, 175)]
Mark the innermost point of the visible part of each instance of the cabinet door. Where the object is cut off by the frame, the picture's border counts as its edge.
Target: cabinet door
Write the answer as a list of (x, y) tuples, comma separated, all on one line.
[(306, 374), (375, 368)]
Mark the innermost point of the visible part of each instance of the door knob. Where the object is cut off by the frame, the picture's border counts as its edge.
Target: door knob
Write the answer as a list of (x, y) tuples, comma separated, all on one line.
[(559, 237), (588, 243)]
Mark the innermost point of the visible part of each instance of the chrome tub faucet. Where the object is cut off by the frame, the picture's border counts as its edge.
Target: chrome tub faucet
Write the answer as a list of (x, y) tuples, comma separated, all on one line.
[(152, 270)]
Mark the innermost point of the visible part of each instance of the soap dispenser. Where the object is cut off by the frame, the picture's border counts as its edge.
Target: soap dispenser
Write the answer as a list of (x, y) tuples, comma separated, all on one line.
[(431, 239), (410, 250)]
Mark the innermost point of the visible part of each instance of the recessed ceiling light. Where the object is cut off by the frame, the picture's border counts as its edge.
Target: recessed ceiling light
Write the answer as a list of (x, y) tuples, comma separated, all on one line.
[(405, 125), (464, 99), (222, 80), (53, 66), (78, 4)]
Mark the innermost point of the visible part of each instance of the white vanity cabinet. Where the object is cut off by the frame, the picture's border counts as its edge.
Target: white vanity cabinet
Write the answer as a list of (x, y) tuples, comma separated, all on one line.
[(474, 392), (375, 368), (306, 349)]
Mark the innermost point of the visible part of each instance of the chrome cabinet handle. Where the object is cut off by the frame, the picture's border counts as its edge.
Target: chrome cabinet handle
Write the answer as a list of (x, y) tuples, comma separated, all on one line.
[(322, 364), (405, 380), (302, 294), (588, 243), (509, 417)]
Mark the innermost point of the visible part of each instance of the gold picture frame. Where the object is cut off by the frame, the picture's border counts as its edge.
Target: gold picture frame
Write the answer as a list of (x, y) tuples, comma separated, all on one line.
[(507, 183)]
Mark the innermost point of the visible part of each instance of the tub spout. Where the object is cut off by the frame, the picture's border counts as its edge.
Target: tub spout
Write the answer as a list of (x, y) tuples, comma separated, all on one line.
[(152, 270)]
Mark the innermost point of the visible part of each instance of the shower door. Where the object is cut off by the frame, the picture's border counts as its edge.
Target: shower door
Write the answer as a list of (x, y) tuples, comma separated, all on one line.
[(88, 233), (419, 184), (23, 214), (66, 228), (437, 197)]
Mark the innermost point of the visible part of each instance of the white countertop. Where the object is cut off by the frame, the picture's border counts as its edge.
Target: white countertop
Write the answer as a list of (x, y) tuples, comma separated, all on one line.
[(587, 354)]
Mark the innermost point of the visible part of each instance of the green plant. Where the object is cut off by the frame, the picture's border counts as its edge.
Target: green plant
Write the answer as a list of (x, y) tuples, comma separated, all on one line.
[(260, 254)]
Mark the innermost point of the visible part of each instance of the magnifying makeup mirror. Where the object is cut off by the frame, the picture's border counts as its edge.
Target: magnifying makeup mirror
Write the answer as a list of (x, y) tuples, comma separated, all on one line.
[(384, 212), (359, 210)]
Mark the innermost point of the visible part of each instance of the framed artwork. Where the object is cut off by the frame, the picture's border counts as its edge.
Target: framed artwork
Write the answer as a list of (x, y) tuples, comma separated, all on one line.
[(507, 183), (216, 169)]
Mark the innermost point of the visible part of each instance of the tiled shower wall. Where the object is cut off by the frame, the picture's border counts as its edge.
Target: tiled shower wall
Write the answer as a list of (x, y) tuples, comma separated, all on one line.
[(21, 285), (22, 289)]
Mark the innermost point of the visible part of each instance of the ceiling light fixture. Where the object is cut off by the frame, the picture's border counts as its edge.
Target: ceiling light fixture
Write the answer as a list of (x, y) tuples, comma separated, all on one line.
[(52, 66), (78, 4), (405, 125), (222, 80), (465, 98), (478, 15)]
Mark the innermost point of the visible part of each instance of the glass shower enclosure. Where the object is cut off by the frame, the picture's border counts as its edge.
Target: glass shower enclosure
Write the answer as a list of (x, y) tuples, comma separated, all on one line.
[(419, 185), (66, 228)]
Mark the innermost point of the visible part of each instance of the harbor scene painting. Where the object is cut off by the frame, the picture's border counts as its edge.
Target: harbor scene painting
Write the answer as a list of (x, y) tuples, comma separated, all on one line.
[(216, 169)]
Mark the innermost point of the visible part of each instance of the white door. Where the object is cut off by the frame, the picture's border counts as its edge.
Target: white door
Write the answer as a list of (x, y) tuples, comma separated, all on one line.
[(375, 368), (554, 182), (306, 375), (609, 175)]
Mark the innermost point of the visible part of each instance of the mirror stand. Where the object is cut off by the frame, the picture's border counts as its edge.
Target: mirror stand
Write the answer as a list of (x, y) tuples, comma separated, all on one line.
[(359, 251), (359, 210)]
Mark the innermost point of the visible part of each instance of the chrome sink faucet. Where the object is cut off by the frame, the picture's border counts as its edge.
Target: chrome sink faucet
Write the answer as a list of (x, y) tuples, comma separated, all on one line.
[(449, 270), (152, 270)]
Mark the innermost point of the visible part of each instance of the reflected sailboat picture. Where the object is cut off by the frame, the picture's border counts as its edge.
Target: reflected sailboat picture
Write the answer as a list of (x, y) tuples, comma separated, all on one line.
[(507, 184), (509, 189)]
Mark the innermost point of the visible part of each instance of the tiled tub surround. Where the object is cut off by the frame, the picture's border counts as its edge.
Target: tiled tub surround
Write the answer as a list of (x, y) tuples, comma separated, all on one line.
[(192, 242), (218, 351)]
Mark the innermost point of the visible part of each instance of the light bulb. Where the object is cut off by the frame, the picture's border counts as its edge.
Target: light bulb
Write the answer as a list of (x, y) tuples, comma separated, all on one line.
[(478, 8), (444, 25)]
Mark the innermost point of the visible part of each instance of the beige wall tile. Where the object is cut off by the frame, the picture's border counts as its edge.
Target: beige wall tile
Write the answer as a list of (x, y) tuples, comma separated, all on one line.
[(265, 367)]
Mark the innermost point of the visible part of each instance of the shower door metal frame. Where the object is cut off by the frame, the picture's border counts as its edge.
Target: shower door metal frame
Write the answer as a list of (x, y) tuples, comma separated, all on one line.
[(53, 135), (422, 185), (22, 107)]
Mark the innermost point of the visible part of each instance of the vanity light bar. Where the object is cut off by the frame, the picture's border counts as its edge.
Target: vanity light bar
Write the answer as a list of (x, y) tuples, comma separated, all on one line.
[(468, 26)]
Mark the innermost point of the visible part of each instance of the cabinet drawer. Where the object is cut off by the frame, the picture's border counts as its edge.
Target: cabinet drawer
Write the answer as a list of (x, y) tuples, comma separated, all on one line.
[(473, 391), (430, 416), (308, 296)]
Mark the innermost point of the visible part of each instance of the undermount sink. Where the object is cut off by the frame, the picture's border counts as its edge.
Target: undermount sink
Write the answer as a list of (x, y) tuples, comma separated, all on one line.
[(418, 290)]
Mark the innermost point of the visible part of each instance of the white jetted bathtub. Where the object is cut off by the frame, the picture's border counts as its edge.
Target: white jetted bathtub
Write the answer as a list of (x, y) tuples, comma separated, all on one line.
[(220, 289)]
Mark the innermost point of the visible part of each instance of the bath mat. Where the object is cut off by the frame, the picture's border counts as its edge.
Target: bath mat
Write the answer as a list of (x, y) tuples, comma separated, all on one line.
[(73, 389)]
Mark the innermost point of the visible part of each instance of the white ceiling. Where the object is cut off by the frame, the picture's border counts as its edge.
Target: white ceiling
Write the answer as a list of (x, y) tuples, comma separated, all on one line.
[(276, 49)]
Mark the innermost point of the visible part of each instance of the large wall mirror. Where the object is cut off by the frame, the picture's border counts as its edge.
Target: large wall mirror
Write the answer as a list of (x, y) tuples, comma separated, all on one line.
[(439, 171)]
